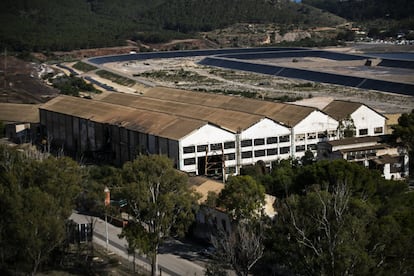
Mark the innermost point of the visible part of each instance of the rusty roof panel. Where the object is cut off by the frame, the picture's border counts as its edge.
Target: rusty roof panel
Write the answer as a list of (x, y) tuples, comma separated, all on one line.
[(288, 114), (19, 113), (160, 124), (227, 119), (339, 110)]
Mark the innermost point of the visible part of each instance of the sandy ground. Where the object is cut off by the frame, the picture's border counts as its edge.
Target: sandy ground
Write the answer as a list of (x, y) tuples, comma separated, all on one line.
[(227, 80)]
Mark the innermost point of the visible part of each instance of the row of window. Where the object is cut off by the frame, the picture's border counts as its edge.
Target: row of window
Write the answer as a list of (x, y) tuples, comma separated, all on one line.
[(232, 144), (247, 154), (257, 153), (271, 140), (314, 135)]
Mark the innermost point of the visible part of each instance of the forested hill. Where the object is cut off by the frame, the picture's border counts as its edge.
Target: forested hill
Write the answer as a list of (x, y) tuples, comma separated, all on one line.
[(39, 25), (360, 10)]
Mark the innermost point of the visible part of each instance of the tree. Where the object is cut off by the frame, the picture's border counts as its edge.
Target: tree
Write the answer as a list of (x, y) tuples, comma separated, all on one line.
[(242, 247), (340, 219), (242, 197), (159, 200), (36, 198), (346, 127), (405, 132), (326, 231)]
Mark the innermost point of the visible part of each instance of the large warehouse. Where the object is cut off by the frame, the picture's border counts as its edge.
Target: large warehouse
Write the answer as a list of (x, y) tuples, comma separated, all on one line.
[(205, 134)]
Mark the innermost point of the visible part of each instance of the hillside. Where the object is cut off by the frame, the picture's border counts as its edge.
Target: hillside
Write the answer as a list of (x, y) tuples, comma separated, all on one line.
[(361, 10), (41, 25)]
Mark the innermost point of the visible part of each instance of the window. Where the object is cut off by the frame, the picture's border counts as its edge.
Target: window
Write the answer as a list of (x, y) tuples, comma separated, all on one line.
[(272, 151), (189, 161), (312, 147), (312, 135), (332, 133), (363, 131), (201, 148), (300, 137), (284, 150), (300, 148), (215, 146), (258, 142), (258, 153), (230, 156), (190, 149), (271, 140), (322, 135), (378, 130), (284, 138), (247, 154), (230, 170), (246, 143), (229, 145)]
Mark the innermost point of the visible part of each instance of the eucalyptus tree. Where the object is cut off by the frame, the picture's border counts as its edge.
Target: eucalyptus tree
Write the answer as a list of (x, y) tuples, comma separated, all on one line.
[(160, 202)]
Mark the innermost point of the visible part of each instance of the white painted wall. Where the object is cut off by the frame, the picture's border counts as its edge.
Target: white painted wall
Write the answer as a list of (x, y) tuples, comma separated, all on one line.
[(366, 118), (262, 130), (206, 135), (308, 132)]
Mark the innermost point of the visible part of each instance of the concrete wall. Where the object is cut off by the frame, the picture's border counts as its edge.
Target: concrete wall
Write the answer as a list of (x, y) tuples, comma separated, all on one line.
[(366, 118)]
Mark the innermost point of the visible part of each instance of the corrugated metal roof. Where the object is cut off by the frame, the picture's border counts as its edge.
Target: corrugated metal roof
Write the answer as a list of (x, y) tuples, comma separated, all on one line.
[(339, 110), (19, 113), (227, 119), (283, 113), (354, 140), (160, 124), (204, 185)]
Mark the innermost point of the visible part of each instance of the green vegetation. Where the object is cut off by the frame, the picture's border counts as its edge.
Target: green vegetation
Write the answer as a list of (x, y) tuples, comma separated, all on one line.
[(405, 131), (115, 78), (36, 198), (337, 216), (160, 202), (71, 85), (383, 19), (356, 10), (2, 130), (46, 26), (174, 76), (84, 67)]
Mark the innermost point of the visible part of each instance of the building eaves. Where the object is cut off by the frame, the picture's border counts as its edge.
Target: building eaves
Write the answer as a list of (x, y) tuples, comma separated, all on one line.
[(354, 140), (364, 148)]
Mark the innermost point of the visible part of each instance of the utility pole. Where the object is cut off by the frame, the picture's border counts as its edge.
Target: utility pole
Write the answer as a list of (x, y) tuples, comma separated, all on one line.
[(5, 67), (107, 203)]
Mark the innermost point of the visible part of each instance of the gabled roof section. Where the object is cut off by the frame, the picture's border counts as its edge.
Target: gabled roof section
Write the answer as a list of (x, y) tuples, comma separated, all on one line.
[(339, 110), (19, 113), (227, 119), (286, 114), (160, 124)]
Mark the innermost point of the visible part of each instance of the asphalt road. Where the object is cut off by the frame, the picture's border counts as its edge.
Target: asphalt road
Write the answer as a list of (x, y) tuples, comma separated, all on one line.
[(175, 257)]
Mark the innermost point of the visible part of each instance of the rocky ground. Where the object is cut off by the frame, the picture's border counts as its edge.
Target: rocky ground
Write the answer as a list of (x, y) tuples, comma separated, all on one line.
[(185, 73), (20, 82)]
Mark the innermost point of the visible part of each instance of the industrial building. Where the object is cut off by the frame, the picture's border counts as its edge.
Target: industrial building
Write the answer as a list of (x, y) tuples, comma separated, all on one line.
[(366, 121), (371, 152), (205, 134), (21, 121)]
